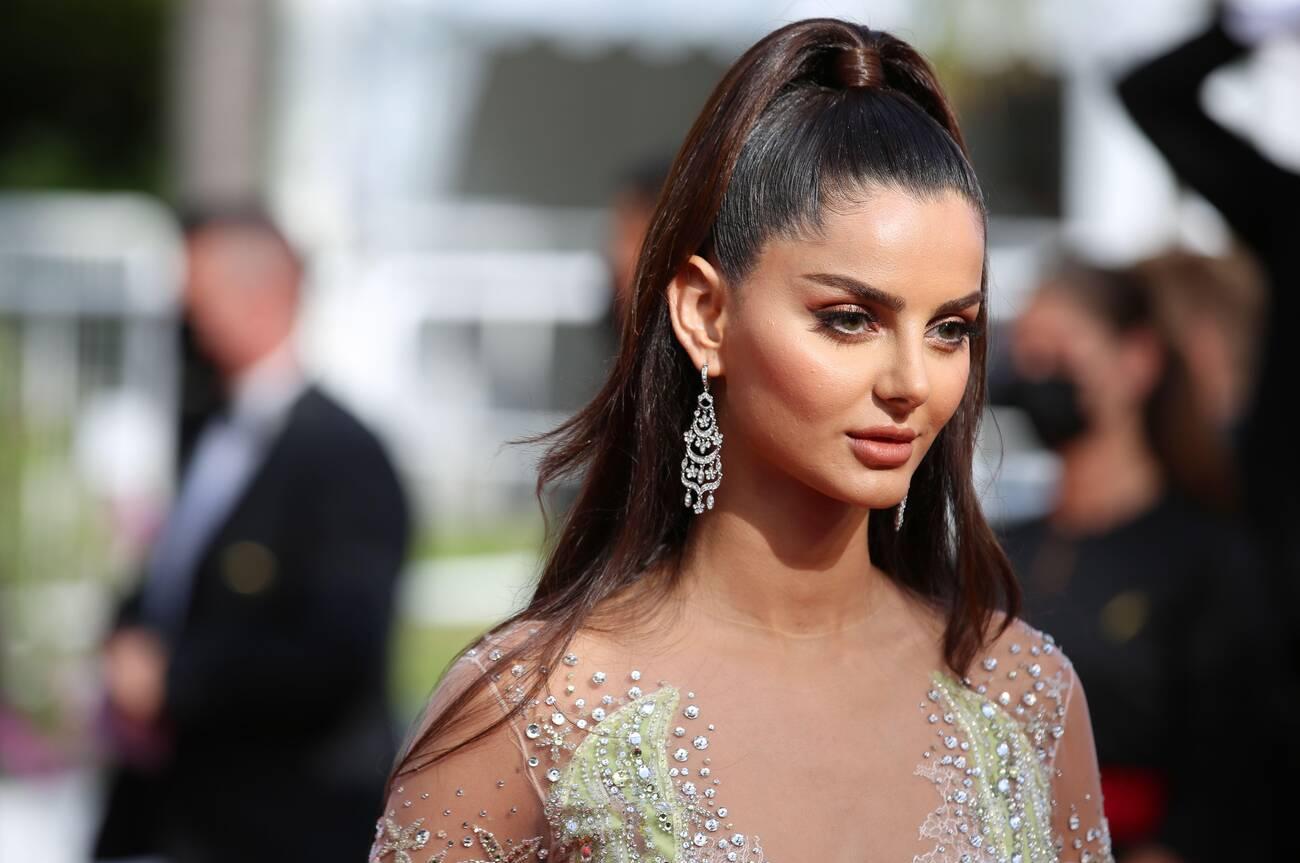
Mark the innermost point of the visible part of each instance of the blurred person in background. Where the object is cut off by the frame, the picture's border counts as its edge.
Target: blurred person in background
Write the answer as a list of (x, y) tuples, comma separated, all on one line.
[(246, 677), (1258, 198), (1211, 307), (583, 352), (1140, 565), (630, 215)]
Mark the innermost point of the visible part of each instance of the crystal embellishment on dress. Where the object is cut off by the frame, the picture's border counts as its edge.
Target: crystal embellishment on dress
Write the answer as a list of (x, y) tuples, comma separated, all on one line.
[(997, 784), (399, 841), (630, 800), (702, 464), (622, 774)]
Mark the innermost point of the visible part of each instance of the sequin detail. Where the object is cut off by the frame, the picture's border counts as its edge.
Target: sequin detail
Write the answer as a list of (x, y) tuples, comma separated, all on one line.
[(400, 841), (993, 762), (619, 766)]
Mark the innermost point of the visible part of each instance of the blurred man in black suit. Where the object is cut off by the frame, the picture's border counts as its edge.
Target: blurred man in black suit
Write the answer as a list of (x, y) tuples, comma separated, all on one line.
[(246, 678)]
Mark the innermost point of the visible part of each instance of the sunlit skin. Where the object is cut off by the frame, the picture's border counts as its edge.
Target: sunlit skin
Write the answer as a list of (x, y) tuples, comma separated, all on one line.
[(866, 324), (241, 295)]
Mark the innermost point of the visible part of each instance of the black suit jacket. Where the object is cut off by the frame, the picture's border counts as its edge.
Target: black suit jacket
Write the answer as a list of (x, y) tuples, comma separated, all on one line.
[(276, 691)]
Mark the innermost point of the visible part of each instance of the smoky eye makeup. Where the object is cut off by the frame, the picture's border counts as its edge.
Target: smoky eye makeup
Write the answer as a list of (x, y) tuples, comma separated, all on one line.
[(962, 330), (844, 323), (849, 324)]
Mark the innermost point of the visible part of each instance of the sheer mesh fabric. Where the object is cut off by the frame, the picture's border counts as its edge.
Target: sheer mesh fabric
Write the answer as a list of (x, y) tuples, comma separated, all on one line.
[(723, 744)]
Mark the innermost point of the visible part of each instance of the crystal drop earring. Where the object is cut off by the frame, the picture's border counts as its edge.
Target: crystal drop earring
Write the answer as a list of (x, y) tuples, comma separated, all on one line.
[(898, 516), (702, 465)]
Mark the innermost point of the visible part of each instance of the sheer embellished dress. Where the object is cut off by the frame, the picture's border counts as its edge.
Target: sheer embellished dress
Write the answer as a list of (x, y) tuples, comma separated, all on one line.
[(723, 748)]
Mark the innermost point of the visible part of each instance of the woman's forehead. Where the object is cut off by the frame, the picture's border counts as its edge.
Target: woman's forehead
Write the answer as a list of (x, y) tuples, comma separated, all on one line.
[(894, 240)]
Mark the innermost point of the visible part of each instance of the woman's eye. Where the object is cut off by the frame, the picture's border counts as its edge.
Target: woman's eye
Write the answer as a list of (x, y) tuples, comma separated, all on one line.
[(955, 332), (852, 324), (849, 323)]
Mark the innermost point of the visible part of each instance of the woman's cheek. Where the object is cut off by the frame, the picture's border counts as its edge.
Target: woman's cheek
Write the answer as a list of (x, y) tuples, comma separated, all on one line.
[(950, 395), (752, 409), (771, 363), (788, 388), (1091, 376)]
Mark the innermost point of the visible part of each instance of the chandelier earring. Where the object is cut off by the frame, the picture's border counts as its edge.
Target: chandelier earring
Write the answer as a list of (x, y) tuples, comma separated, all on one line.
[(702, 465)]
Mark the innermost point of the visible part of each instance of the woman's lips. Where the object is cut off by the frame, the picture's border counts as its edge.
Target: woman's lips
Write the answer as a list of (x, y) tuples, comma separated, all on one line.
[(881, 453)]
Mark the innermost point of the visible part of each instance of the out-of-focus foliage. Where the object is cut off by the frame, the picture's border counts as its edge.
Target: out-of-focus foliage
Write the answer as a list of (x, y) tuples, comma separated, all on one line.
[(81, 100)]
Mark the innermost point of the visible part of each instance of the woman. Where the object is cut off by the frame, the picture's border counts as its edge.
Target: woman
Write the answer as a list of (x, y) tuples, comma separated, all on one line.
[(807, 660), (1139, 565)]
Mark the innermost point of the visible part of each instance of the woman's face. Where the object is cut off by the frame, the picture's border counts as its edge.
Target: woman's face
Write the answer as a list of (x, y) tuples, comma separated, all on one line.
[(1057, 335), (865, 326)]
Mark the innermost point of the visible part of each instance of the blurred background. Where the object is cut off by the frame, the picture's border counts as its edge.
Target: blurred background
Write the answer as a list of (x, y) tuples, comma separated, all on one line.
[(466, 183)]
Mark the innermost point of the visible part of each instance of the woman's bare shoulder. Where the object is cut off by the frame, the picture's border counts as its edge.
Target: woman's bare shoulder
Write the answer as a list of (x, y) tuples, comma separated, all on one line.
[(1013, 636), (1024, 671)]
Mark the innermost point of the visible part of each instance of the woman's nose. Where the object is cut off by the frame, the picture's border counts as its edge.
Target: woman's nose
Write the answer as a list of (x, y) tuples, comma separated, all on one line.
[(905, 381)]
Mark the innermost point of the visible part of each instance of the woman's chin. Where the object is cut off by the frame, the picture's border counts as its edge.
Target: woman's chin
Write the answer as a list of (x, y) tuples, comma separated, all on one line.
[(874, 495)]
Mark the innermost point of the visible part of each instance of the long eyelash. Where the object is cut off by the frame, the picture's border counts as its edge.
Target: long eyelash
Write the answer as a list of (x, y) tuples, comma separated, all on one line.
[(967, 330), (826, 325)]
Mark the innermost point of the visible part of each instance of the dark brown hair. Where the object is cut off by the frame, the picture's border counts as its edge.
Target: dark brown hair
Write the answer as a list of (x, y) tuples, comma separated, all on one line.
[(814, 115), (1128, 300)]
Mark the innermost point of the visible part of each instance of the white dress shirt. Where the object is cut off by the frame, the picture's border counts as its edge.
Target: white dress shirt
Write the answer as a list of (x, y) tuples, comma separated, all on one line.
[(229, 451)]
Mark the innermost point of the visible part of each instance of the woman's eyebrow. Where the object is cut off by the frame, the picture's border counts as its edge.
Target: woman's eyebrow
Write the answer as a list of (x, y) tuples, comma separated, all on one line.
[(893, 302)]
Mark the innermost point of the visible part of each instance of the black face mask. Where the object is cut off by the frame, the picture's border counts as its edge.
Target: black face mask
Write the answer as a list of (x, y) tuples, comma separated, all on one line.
[(1052, 404)]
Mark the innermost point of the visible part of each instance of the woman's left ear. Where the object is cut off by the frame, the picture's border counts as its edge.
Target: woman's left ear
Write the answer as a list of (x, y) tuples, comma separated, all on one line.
[(697, 305), (1145, 362)]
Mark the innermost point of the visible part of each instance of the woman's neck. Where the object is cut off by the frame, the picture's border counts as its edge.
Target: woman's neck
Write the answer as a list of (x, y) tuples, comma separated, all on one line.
[(1107, 478), (777, 556)]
